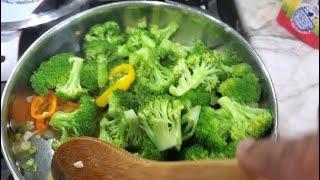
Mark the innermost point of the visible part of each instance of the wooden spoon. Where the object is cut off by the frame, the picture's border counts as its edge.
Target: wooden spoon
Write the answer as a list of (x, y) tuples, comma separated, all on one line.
[(102, 160)]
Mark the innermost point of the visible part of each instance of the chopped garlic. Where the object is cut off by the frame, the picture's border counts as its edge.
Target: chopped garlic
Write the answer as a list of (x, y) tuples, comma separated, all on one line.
[(78, 164), (27, 135), (29, 99)]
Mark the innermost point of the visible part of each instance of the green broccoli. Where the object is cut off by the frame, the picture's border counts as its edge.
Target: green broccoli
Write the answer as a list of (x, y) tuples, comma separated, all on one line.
[(198, 96), (51, 73), (30, 165), (160, 118), (124, 131), (120, 101), (245, 89), (228, 55), (228, 152), (150, 151), (170, 53), (72, 89), (135, 135), (164, 33), (81, 122), (198, 47), (151, 75), (89, 77), (204, 69), (247, 122), (241, 69), (179, 68), (114, 131), (109, 32), (213, 127), (199, 152), (138, 38), (100, 44), (195, 152), (189, 122), (202, 73)]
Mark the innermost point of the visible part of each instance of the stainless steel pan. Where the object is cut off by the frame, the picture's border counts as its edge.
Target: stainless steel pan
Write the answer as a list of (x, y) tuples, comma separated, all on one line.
[(193, 24)]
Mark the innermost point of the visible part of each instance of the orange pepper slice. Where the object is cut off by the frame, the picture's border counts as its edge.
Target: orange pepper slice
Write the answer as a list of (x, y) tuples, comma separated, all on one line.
[(40, 117)]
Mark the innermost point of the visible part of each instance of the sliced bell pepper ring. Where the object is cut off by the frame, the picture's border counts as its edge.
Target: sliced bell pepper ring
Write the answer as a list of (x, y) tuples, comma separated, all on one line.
[(40, 117), (123, 83)]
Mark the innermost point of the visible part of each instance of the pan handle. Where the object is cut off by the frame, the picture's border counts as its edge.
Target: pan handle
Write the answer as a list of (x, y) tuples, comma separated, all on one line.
[(9, 52)]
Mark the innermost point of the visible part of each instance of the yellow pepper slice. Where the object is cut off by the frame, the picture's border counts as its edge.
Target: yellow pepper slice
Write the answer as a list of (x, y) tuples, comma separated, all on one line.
[(123, 83)]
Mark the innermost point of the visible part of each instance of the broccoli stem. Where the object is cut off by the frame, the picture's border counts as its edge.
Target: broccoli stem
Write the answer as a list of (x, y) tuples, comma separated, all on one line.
[(102, 71), (72, 89)]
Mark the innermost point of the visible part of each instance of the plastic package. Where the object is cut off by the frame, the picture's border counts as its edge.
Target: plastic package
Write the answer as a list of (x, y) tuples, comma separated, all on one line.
[(301, 18)]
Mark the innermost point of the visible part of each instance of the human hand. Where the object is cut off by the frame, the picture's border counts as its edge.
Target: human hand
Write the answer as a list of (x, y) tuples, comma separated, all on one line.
[(283, 160)]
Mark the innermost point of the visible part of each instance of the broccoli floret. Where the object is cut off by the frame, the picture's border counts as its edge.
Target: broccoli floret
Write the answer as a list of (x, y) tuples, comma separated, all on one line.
[(150, 151), (120, 101), (81, 122), (30, 165), (228, 152), (189, 122), (170, 53), (100, 45), (89, 77), (239, 70), (138, 38), (204, 69), (180, 68), (198, 96), (199, 152), (151, 75), (201, 73), (135, 135), (228, 55), (114, 132), (247, 122), (51, 73), (195, 152), (109, 32), (72, 89), (245, 89), (160, 118), (164, 33), (213, 127)]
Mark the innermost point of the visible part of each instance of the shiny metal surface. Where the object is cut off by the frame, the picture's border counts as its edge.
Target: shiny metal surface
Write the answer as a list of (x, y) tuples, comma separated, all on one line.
[(37, 19), (61, 38)]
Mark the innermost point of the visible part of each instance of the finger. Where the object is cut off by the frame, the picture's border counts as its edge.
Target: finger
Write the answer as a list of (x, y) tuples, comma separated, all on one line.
[(309, 163), (261, 158), (279, 160)]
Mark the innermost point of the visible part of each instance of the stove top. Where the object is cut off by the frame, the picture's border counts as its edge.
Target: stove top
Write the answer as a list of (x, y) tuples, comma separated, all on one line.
[(223, 9)]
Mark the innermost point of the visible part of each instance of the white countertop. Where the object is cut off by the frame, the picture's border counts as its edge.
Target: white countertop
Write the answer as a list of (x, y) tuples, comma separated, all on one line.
[(293, 65)]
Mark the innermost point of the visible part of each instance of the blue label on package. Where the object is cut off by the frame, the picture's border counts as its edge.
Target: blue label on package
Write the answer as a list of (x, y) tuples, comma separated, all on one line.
[(303, 18)]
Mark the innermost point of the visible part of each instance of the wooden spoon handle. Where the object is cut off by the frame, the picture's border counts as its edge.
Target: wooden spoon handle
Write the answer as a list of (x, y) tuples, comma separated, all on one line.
[(217, 169)]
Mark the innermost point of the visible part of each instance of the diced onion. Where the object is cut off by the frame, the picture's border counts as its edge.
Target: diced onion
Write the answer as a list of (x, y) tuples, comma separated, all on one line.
[(30, 125), (28, 134), (29, 99), (78, 164)]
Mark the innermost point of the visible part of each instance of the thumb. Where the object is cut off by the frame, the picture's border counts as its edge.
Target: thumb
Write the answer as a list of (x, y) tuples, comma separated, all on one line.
[(278, 160)]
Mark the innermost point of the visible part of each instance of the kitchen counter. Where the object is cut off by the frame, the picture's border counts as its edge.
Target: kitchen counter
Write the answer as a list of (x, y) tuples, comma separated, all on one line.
[(293, 66)]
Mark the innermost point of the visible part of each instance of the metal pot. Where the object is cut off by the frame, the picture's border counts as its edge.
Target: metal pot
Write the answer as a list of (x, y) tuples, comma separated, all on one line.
[(63, 37)]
